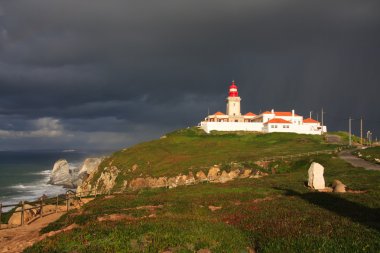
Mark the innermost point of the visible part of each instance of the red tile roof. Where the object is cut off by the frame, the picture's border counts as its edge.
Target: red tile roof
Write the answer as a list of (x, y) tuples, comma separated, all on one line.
[(283, 113), (289, 114), (279, 121), (219, 113), (250, 114), (310, 120)]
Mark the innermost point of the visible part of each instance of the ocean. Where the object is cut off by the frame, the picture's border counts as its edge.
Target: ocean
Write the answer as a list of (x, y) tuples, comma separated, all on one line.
[(24, 175)]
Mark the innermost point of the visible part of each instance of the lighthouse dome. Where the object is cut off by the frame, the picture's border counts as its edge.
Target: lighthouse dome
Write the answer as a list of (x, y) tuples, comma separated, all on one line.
[(233, 92)]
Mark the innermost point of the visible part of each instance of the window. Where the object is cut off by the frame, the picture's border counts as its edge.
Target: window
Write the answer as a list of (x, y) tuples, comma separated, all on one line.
[(236, 120), (285, 126)]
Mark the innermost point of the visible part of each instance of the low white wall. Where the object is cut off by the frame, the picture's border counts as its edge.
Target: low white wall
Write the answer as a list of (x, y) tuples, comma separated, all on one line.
[(259, 127), (299, 129), (232, 126)]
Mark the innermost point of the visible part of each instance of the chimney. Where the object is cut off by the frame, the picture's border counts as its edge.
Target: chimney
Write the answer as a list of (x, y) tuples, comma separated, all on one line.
[(272, 111), (292, 113)]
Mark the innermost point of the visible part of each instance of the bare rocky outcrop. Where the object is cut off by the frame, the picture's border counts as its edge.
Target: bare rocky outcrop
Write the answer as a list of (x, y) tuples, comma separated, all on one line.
[(246, 173), (201, 176), (104, 184), (67, 176), (224, 177), (61, 174), (15, 219), (107, 179), (89, 166), (214, 176), (338, 186), (213, 173)]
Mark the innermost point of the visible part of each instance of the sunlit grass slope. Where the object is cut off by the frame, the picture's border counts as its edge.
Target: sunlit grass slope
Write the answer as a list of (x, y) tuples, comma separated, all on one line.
[(192, 149)]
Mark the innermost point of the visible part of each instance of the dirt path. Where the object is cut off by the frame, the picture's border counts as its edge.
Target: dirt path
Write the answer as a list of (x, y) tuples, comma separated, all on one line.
[(14, 240), (357, 162), (18, 238)]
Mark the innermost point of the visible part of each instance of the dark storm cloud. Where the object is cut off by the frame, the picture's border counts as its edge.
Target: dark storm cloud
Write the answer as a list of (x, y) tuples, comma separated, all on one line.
[(121, 67)]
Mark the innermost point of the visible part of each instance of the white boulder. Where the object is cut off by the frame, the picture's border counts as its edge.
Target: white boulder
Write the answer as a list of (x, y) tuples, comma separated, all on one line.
[(316, 179)]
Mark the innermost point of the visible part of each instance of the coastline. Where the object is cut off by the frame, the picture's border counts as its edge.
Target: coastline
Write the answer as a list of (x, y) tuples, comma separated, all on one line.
[(24, 175)]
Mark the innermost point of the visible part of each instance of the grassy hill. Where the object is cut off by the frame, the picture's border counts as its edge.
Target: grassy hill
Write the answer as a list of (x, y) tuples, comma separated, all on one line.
[(276, 213), (192, 149)]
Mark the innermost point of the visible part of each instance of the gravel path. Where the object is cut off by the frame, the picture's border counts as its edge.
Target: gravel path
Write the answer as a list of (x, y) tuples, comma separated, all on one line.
[(357, 162)]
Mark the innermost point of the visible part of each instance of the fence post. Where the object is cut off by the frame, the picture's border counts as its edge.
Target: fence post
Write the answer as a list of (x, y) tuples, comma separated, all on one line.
[(41, 207), (22, 213), (56, 205), (67, 202), (1, 210)]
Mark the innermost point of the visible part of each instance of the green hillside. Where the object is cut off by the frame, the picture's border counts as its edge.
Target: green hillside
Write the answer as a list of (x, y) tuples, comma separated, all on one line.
[(276, 213), (192, 149)]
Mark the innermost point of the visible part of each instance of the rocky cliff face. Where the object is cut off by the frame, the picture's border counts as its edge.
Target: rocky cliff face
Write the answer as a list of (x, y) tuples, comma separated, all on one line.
[(61, 174), (89, 166), (214, 175), (106, 180), (71, 178)]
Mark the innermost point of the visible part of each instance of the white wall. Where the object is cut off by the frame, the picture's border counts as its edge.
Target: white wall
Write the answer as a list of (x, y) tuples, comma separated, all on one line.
[(300, 129), (232, 126), (260, 127)]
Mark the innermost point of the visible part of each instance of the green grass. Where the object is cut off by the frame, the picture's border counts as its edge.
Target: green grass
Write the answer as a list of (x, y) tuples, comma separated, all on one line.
[(369, 154), (192, 150), (345, 137), (276, 213)]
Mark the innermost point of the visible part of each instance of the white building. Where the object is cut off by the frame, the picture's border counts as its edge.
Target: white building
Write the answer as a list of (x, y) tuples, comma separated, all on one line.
[(267, 122)]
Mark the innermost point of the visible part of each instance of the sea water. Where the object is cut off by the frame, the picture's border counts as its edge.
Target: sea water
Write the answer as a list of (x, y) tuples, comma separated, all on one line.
[(24, 175)]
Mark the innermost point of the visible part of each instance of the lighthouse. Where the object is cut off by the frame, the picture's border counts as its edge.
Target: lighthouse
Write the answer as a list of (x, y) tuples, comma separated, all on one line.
[(233, 101), (266, 122)]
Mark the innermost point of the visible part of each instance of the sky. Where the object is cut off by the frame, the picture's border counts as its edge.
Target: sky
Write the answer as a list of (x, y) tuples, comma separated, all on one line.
[(95, 74)]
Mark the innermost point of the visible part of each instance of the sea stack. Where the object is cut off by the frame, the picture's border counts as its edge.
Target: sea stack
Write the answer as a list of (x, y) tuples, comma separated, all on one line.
[(61, 174)]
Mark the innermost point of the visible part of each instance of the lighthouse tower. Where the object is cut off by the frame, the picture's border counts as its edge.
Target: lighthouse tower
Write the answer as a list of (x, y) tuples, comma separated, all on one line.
[(233, 101)]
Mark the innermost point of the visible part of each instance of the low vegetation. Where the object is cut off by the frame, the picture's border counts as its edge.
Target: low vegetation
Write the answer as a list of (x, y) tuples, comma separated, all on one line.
[(276, 213)]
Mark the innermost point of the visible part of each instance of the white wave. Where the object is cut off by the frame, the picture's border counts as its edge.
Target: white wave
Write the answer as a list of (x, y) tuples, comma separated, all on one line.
[(68, 150), (34, 190), (42, 173), (18, 186)]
